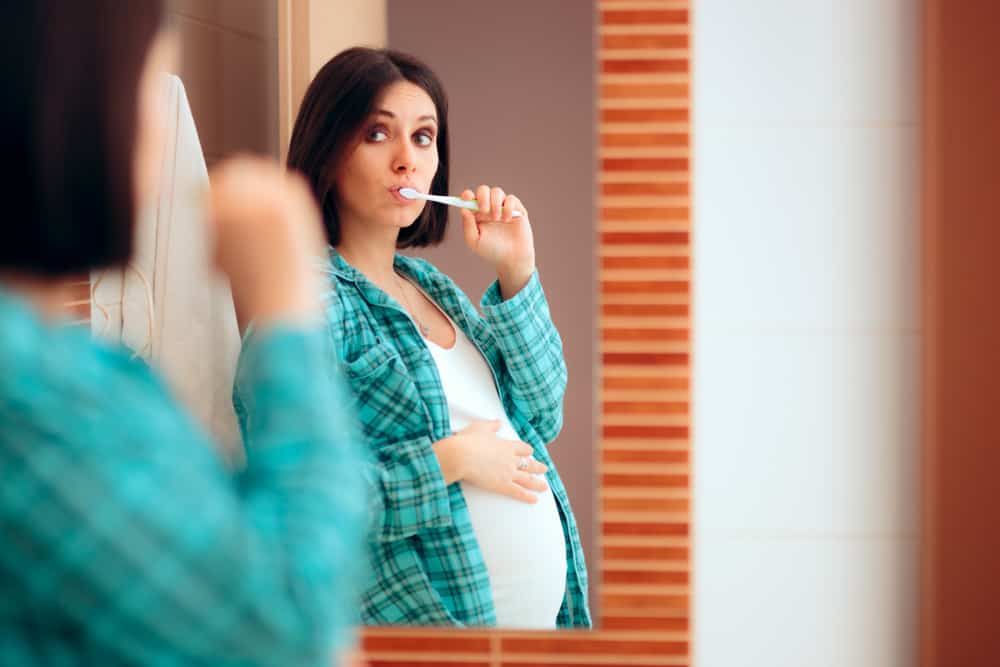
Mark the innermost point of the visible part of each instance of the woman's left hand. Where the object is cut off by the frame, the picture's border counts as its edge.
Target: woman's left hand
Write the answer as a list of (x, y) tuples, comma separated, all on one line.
[(502, 240)]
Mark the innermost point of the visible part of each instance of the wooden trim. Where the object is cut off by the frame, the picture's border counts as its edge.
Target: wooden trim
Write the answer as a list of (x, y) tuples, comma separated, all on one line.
[(929, 299), (309, 33), (960, 596), (293, 65)]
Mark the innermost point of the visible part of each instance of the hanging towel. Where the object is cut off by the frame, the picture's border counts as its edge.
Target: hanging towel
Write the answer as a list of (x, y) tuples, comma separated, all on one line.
[(168, 304)]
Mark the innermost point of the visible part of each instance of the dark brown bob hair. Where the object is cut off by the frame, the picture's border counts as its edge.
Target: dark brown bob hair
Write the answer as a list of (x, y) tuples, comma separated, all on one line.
[(70, 73)]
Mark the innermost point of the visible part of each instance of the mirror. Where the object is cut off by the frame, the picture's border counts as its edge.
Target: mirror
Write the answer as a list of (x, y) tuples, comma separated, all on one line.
[(526, 117), (533, 136)]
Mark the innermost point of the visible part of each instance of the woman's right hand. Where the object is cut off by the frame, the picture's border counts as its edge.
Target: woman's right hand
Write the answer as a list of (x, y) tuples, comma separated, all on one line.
[(476, 455), (268, 234)]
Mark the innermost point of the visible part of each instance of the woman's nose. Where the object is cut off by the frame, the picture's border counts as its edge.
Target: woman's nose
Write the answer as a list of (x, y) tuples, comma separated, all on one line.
[(404, 159)]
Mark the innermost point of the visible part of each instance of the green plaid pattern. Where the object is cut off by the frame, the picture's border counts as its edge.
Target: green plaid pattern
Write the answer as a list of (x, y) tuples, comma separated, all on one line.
[(428, 568), (126, 541)]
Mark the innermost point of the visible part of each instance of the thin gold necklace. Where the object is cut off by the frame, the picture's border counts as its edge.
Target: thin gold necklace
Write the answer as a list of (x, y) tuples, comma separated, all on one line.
[(424, 329)]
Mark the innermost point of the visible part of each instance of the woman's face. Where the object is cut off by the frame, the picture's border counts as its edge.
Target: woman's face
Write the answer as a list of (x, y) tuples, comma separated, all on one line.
[(397, 148)]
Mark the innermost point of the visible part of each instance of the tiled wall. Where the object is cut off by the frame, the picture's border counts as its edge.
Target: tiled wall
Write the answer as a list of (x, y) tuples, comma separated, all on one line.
[(807, 332), (644, 255)]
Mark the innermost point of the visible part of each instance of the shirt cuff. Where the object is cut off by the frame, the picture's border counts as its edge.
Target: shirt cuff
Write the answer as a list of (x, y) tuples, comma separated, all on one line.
[(530, 293), (281, 355), (414, 494), (281, 379), (522, 309)]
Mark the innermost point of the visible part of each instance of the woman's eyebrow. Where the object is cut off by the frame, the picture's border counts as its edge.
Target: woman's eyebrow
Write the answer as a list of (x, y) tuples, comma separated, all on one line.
[(386, 112)]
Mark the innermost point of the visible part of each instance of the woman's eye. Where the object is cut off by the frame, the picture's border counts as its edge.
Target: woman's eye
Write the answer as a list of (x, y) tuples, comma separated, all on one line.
[(377, 135), (423, 139)]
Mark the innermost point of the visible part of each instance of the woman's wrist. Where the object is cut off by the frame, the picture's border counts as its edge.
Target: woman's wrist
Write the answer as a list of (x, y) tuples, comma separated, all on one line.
[(451, 459), (513, 279), (279, 303)]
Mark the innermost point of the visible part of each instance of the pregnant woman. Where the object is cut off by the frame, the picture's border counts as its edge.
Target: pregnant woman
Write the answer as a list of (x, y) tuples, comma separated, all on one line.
[(472, 525)]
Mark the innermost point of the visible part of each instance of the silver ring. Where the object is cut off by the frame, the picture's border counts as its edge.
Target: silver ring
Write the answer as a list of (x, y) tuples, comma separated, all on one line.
[(523, 463)]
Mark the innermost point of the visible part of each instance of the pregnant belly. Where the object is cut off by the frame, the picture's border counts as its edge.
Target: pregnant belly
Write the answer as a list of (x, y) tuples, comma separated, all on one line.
[(525, 552)]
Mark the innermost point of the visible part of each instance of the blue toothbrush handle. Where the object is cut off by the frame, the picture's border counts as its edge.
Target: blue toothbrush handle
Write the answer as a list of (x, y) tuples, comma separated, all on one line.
[(471, 205), (449, 200)]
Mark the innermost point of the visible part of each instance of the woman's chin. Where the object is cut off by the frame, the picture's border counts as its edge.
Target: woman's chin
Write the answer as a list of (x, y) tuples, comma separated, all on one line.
[(404, 221), (399, 218)]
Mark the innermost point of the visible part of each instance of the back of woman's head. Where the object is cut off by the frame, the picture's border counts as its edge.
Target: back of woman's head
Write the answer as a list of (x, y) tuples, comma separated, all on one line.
[(70, 73), (338, 101)]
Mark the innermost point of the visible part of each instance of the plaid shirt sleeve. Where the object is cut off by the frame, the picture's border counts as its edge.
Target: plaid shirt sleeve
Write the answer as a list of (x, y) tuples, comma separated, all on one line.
[(408, 493), (533, 353), (121, 519)]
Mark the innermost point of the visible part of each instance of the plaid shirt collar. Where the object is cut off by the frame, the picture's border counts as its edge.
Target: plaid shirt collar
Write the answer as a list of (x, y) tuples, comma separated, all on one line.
[(435, 284), (405, 265)]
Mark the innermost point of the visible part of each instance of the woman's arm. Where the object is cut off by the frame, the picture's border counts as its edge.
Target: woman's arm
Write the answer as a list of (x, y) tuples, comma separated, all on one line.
[(409, 483), (516, 308), (155, 549), (408, 491), (532, 351), (116, 502)]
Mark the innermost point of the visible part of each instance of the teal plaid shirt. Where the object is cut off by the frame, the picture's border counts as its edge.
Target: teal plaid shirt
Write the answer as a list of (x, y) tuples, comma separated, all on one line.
[(125, 540), (428, 568)]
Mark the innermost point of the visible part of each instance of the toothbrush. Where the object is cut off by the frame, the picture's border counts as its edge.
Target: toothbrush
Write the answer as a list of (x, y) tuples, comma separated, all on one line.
[(410, 193)]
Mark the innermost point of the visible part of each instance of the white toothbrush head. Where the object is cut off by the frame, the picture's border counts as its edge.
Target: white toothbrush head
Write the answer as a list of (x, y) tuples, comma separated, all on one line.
[(409, 193)]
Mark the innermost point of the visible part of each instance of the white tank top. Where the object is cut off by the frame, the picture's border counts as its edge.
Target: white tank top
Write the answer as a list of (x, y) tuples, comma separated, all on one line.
[(523, 545)]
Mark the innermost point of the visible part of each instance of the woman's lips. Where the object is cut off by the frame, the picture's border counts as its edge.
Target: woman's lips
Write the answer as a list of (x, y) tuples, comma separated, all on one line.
[(394, 191)]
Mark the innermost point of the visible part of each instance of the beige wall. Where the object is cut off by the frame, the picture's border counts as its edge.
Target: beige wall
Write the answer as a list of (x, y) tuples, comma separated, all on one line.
[(330, 33), (229, 68)]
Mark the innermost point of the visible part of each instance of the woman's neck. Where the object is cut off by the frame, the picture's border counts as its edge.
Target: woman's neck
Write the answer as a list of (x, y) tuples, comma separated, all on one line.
[(47, 295), (371, 254)]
